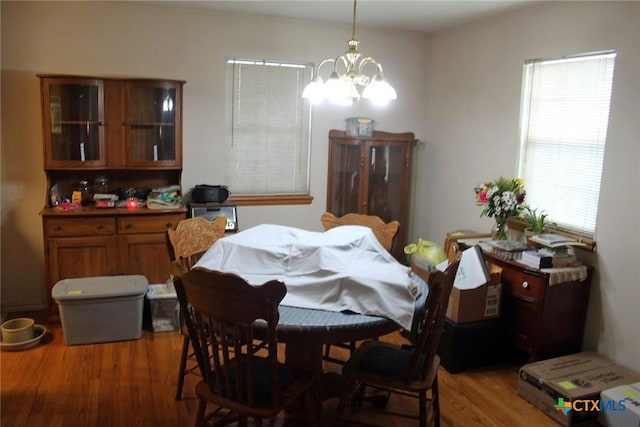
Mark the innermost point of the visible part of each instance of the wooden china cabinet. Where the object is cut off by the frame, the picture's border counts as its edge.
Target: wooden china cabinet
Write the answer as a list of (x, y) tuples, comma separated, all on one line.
[(371, 175), (127, 132)]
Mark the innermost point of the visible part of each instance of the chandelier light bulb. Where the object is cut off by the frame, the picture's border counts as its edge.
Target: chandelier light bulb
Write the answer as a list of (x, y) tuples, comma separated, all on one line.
[(314, 90), (379, 91)]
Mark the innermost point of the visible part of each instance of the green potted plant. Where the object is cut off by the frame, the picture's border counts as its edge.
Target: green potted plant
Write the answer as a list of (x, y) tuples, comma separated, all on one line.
[(536, 220)]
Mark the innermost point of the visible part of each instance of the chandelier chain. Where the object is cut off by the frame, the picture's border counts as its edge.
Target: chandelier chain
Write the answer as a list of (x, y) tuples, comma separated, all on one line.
[(353, 25)]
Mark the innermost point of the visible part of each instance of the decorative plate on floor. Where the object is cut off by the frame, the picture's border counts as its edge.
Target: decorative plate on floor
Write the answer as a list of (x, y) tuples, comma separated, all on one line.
[(39, 332)]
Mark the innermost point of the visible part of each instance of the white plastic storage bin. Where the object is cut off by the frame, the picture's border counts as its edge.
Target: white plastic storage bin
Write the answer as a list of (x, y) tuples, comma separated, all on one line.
[(100, 309), (164, 312)]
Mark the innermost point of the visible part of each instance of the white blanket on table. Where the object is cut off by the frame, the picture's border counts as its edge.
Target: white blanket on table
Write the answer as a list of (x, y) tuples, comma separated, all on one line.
[(345, 268)]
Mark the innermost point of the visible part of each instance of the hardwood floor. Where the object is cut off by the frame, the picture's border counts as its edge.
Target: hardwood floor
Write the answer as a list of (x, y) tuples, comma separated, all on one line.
[(132, 383)]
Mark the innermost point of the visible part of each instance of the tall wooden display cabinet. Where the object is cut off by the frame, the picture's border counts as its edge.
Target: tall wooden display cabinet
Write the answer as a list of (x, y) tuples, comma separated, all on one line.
[(372, 176)]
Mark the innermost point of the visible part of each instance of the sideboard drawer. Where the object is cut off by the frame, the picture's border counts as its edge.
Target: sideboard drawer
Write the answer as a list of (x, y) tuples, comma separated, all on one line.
[(58, 227), (148, 223), (521, 284)]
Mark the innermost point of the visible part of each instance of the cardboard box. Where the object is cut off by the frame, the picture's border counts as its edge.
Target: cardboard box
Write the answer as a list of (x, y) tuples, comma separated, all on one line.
[(482, 303), (452, 238), (620, 406), (565, 388)]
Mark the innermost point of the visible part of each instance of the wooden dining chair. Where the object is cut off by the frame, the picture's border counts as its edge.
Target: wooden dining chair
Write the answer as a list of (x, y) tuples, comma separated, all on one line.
[(384, 232), (192, 237), (242, 376), (186, 244), (405, 370)]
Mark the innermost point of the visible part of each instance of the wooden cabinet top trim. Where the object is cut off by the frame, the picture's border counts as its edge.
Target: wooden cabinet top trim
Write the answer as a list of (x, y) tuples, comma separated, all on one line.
[(377, 135), (113, 78)]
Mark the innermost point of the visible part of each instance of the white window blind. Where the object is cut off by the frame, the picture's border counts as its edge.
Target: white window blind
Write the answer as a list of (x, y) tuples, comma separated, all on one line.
[(564, 119), (267, 128)]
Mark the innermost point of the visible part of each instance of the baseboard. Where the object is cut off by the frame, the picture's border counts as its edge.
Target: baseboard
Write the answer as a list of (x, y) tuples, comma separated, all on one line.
[(6, 309)]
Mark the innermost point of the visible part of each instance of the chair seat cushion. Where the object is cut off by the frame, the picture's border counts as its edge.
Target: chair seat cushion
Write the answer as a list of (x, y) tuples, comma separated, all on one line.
[(387, 360), (262, 391)]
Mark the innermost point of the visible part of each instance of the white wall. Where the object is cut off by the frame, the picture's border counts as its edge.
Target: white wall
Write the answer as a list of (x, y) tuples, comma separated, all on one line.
[(459, 91), (474, 85), (117, 39)]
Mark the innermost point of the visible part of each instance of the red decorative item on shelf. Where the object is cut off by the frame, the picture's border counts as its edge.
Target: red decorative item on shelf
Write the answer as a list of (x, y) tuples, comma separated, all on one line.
[(132, 204)]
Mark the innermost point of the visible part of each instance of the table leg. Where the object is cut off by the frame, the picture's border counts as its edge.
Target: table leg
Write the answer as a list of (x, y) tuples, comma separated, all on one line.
[(308, 356)]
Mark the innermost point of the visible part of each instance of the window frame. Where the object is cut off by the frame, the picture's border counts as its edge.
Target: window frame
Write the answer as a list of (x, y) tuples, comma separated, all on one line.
[(573, 229), (283, 198)]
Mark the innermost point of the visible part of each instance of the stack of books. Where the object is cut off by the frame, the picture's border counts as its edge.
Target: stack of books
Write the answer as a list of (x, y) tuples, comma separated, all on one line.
[(537, 259), (507, 249), (555, 240), (560, 248), (550, 258), (563, 256)]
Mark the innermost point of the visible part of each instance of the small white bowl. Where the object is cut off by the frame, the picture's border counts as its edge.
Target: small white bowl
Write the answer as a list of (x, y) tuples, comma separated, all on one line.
[(17, 330)]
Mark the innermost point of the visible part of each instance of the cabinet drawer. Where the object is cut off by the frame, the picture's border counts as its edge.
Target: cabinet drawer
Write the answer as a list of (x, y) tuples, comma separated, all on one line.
[(56, 227), (521, 284), (148, 223)]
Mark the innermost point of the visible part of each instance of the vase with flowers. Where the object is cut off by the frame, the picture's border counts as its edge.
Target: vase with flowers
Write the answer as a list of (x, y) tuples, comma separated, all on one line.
[(501, 199)]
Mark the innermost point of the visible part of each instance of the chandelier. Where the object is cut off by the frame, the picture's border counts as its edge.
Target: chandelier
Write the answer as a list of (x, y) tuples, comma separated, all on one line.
[(348, 77)]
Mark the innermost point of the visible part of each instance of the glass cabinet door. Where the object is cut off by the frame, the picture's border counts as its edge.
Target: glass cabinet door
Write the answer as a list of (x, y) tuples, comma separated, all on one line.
[(345, 169), (372, 176), (386, 171), (73, 122), (152, 135)]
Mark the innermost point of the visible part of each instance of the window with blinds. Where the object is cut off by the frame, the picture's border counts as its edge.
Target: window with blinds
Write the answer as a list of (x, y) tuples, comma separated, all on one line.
[(267, 128), (564, 119)]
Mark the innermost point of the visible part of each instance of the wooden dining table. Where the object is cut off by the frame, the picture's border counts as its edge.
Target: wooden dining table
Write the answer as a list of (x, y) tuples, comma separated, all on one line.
[(352, 270), (305, 331)]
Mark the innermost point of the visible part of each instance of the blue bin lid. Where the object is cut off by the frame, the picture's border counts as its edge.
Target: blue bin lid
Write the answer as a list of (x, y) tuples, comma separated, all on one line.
[(100, 287)]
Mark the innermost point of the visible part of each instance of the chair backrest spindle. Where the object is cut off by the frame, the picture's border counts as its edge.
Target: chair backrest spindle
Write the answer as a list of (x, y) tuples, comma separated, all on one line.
[(431, 325)]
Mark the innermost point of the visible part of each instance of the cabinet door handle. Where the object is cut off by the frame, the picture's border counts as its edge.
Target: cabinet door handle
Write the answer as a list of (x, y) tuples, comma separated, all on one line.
[(525, 284), (169, 225), (58, 228), (128, 226), (100, 227)]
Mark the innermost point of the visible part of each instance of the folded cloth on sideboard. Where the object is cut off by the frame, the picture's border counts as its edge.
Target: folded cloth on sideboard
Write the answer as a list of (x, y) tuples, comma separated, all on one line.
[(566, 274)]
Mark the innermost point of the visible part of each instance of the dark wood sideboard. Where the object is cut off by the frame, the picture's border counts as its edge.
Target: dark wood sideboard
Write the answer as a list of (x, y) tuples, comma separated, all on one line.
[(540, 319)]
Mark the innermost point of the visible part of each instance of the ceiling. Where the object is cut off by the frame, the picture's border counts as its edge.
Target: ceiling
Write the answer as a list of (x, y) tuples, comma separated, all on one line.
[(413, 15)]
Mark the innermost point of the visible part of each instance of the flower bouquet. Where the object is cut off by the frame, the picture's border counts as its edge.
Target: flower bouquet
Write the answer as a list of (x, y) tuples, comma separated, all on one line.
[(501, 199)]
